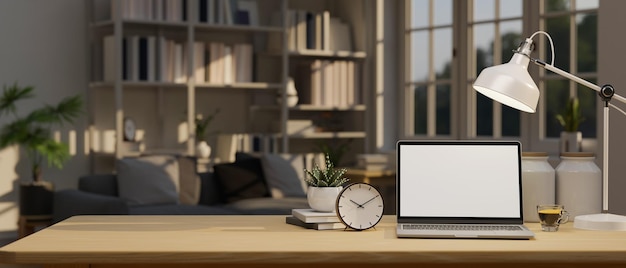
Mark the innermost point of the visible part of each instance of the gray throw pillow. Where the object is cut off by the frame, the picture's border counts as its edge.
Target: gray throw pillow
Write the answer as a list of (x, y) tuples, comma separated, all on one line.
[(148, 180), (189, 180), (284, 174)]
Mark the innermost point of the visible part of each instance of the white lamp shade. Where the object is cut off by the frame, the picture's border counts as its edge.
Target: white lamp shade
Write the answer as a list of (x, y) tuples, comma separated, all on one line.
[(510, 84)]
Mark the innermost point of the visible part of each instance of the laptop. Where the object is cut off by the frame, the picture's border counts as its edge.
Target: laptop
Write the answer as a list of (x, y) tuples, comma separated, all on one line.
[(459, 189)]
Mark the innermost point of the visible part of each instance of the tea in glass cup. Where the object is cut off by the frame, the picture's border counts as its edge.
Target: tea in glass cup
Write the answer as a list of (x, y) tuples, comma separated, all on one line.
[(551, 216)]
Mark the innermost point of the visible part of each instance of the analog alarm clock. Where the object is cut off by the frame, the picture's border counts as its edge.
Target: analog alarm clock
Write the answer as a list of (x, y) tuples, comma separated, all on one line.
[(359, 206)]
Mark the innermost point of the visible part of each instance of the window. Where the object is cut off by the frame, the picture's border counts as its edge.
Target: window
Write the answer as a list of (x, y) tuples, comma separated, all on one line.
[(496, 28), (572, 24), (448, 43), (428, 90)]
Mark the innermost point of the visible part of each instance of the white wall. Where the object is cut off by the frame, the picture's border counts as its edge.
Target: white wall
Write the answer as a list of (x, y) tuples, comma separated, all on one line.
[(42, 44), (611, 21)]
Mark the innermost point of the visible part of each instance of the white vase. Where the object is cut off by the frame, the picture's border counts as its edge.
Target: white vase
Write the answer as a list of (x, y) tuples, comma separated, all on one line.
[(579, 184), (203, 150), (292, 94), (538, 183), (571, 141), (323, 199)]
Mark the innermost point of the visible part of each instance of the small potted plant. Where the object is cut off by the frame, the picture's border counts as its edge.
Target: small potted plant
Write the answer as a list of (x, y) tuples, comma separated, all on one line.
[(202, 124), (570, 120), (324, 186), (32, 133)]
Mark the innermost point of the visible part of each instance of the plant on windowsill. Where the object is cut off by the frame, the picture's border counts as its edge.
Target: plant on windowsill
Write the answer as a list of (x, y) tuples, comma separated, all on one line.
[(202, 124), (324, 185), (32, 133), (571, 138)]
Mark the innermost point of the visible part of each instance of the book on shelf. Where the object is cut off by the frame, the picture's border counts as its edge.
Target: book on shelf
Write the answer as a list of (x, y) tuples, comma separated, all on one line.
[(315, 226), (308, 215), (250, 8), (328, 83)]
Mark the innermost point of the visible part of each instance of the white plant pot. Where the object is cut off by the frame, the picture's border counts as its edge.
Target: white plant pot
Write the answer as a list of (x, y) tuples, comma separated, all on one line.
[(203, 150), (571, 141), (323, 199)]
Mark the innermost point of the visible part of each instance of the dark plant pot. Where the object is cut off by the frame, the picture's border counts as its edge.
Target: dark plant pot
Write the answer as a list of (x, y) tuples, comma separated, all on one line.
[(36, 198)]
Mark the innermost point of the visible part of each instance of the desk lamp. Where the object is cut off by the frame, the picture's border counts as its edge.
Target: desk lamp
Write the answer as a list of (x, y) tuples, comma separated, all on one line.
[(511, 85)]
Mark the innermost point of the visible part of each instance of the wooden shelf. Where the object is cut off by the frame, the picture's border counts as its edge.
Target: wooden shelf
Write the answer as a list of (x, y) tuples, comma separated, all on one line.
[(330, 135), (314, 108)]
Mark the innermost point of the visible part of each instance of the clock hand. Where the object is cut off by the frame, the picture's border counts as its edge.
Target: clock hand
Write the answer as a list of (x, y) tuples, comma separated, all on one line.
[(369, 200), (358, 205)]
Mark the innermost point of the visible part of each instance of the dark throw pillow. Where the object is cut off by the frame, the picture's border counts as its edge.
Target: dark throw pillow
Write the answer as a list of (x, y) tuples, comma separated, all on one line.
[(241, 180)]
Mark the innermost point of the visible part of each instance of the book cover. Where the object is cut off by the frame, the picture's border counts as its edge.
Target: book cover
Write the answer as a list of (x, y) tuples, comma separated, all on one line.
[(315, 226), (308, 215), (109, 58)]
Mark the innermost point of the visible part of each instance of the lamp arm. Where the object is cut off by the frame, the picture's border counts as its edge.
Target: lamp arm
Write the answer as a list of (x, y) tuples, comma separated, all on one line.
[(576, 79)]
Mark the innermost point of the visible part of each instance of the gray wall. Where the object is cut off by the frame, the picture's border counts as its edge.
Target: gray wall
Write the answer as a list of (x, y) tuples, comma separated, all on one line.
[(43, 45), (611, 21)]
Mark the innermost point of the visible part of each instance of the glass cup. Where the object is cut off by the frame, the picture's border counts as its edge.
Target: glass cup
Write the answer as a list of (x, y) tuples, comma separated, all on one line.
[(551, 216)]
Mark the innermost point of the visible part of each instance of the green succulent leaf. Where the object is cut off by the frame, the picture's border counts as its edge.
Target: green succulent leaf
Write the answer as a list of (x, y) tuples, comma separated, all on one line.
[(328, 177)]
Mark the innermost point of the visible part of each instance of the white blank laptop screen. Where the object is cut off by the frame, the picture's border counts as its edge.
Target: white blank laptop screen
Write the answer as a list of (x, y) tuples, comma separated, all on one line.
[(459, 181)]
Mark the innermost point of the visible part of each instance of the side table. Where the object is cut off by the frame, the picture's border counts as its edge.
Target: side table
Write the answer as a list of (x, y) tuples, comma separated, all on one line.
[(28, 223)]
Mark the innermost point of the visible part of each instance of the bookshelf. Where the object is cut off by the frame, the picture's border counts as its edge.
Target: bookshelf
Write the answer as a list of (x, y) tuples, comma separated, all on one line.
[(161, 62)]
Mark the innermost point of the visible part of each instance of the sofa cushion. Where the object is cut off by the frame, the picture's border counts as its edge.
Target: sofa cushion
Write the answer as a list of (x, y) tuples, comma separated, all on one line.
[(271, 206), (189, 180), (284, 174), (241, 180), (148, 180)]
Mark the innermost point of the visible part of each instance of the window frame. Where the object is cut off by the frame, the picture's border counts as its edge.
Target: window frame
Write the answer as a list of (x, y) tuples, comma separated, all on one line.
[(463, 114)]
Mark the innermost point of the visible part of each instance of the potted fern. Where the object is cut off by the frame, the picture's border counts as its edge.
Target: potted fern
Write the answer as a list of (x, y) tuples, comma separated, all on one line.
[(202, 124), (571, 138), (32, 133), (324, 186)]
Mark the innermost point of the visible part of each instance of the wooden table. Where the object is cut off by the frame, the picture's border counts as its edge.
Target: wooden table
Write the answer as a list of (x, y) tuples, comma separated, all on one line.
[(266, 241)]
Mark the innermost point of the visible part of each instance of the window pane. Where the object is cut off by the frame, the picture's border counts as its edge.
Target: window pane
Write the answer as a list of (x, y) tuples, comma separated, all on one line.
[(443, 12), (557, 96), (484, 10), (510, 8), (419, 56), (484, 115), (586, 4), (443, 109), (419, 13), (556, 5), (510, 122), (484, 34), (558, 28), (443, 53), (587, 99), (587, 25), (420, 113), (511, 34)]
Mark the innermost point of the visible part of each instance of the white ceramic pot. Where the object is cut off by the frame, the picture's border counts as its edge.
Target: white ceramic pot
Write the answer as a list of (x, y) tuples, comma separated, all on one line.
[(579, 184), (571, 141), (538, 183), (203, 150), (323, 199)]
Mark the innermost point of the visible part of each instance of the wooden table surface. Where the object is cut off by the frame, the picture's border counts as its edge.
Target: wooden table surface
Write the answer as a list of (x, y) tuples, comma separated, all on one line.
[(266, 241)]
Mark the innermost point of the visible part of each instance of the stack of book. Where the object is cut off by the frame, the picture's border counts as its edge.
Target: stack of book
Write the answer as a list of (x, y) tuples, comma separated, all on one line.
[(311, 219)]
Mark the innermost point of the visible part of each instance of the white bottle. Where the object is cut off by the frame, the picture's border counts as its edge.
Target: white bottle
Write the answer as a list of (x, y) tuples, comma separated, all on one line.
[(538, 183), (579, 184)]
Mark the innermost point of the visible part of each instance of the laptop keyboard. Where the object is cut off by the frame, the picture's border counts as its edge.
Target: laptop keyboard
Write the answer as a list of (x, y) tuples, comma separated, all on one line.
[(461, 227)]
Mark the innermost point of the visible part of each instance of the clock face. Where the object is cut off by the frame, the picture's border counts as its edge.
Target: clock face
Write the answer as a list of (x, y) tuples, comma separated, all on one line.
[(360, 206), (129, 129)]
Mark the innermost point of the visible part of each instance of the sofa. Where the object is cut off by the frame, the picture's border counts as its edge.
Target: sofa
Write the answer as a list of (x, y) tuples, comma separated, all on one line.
[(170, 185)]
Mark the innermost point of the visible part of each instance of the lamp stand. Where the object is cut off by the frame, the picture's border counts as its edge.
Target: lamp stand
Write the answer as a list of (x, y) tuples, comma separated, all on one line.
[(603, 221)]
